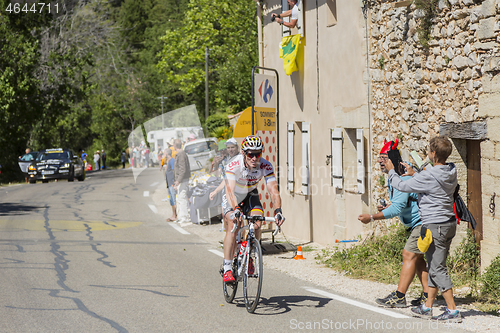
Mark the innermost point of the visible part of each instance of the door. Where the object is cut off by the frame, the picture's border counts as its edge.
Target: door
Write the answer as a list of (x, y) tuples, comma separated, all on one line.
[(474, 200)]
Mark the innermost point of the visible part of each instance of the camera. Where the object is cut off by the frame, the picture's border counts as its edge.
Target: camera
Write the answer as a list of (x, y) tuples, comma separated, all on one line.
[(383, 203)]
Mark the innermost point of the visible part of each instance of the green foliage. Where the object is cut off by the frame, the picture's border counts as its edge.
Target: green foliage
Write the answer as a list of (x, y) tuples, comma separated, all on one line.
[(222, 132), (463, 265), (89, 76), (376, 258), (430, 8), (217, 120), (381, 180), (228, 29), (491, 281), (20, 103), (447, 59), (381, 63)]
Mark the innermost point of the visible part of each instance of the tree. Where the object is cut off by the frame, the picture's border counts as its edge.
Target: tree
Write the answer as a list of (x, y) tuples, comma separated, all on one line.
[(228, 29), (18, 92)]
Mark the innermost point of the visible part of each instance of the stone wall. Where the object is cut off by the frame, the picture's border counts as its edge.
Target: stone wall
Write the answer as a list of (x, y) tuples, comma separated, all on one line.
[(454, 80), (489, 109)]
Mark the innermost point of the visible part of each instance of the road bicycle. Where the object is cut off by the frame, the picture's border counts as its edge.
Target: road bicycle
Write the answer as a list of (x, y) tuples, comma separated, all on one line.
[(247, 264)]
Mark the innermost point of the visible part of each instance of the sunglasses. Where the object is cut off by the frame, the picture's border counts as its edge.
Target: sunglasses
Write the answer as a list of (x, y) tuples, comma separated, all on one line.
[(252, 155)]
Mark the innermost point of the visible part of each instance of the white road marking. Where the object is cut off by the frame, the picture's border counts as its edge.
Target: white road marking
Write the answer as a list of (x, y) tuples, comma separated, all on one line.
[(219, 253), (179, 229), (154, 184), (146, 193), (356, 303), (153, 208)]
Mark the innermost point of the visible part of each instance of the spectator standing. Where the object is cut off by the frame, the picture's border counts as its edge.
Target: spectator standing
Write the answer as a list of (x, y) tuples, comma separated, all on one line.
[(123, 158), (97, 160), (182, 173), (103, 157), (404, 206), (172, 148), (232, 150), (220, 159), (159, 156), (137, 157), (26, 158), (143, 157), (435, 187), (170, 176)]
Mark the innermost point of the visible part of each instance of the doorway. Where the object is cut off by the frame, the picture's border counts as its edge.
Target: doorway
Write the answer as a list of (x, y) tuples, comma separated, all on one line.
[(474, 194)]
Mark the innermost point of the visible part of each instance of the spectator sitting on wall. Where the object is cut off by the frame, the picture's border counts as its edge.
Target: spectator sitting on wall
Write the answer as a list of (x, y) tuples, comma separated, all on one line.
[(294, 13)]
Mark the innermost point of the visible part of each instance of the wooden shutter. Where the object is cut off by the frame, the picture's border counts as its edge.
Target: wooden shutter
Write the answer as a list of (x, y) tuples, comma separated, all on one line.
[(306, 154), (360, 150), (336, 151), (289, 159)]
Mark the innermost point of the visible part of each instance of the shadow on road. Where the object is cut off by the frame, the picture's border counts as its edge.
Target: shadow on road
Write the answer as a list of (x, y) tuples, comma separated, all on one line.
[(8, 209), (282, 304)]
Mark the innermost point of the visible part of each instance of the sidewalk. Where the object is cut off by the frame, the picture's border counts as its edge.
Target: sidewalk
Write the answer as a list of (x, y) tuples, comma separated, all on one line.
[(326, 278)]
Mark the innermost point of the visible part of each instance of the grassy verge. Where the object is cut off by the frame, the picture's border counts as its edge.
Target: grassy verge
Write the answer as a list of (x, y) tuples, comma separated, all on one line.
[(379, 258)]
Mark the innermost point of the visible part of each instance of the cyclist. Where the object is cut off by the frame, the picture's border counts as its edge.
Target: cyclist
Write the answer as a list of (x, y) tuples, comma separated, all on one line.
[(240, 195)]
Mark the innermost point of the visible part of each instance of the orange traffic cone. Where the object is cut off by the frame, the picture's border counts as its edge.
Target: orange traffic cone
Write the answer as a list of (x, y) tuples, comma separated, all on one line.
[(299, 254)]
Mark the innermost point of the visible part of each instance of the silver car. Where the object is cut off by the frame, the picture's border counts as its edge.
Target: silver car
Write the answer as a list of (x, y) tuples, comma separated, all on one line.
[(200, 152)]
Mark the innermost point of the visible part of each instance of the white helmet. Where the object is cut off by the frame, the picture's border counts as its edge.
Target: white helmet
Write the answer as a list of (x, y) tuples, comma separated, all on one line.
[(252, 142)]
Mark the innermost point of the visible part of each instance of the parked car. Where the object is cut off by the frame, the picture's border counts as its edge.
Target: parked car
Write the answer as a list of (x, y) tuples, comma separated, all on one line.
[(200, 152), (56, 163), (26, 160)]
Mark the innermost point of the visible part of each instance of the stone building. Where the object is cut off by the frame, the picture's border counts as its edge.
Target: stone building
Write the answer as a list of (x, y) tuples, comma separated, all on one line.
[(367, 72), (451, 87)]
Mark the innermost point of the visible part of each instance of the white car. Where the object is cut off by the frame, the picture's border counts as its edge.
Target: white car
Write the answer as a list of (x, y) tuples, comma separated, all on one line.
[(200, 152)]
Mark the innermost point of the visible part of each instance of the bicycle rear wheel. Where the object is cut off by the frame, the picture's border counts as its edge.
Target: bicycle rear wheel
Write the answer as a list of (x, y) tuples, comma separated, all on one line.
[(229, 288), (252, 281)]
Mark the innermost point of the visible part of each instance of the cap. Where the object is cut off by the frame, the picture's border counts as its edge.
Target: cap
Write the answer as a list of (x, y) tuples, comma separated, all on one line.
[(389, 145), (222, 145), (231, 141)]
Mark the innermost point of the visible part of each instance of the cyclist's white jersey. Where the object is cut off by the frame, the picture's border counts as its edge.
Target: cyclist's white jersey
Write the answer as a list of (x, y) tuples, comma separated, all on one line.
[(247, 179)]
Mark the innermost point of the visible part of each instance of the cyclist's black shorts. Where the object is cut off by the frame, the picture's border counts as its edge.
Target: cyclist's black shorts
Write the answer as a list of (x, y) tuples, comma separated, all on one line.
[(249, 204)]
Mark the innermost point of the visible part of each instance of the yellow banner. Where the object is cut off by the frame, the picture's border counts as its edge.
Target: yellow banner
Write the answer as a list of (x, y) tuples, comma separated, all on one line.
[(243, 126), (265, 120)]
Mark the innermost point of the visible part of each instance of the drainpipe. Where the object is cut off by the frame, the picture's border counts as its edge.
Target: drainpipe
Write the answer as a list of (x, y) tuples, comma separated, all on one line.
[(260, 38), (365, 8)]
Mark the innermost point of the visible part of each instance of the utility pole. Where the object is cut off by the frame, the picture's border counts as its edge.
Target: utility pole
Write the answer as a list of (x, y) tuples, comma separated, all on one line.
[(206, 83), (162, 118)]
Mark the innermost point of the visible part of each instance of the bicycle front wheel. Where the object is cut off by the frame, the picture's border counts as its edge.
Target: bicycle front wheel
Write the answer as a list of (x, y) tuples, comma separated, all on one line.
[(252, 277), (230, 288)]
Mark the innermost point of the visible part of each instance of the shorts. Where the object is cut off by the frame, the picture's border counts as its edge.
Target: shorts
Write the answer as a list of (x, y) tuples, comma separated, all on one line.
[(171, 194), (411, 242), (250, 203)]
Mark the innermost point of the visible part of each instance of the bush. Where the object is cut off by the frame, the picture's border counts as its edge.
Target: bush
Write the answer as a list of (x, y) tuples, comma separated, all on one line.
[(463, 265), (217, 120), (491, 281)]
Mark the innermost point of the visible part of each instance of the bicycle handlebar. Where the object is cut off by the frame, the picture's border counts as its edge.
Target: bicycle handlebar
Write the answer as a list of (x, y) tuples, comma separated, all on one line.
[(257, 218)]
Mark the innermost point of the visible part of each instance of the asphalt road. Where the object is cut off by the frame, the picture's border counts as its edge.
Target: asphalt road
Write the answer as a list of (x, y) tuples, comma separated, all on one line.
[(93, 256)]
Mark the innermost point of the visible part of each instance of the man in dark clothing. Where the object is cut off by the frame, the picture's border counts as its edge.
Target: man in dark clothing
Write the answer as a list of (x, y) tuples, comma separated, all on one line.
[(103, 157), (182, 173)]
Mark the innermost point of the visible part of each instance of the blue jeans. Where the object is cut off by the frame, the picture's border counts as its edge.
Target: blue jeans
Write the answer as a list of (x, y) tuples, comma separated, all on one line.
[(171, 194)]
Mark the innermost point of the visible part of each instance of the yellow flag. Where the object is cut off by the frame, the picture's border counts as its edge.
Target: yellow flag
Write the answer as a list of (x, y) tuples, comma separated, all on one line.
[(288, 52)]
